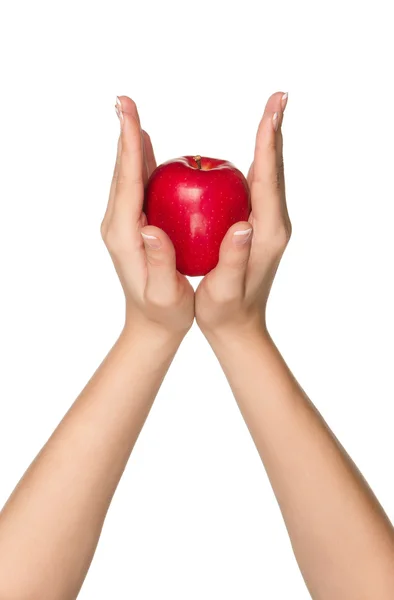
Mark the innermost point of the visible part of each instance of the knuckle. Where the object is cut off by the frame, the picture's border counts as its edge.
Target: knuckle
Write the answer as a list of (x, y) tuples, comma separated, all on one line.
[(159, 301), (116, 242), (271, 145), (280, 239), (280, 173), (137, 179), (122, 180), (275, 181), (119, 178), (277, 176), (226, 296)]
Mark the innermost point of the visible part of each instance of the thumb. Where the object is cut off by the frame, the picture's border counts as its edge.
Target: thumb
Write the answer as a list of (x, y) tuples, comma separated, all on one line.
[(160, 262), (234, 255)]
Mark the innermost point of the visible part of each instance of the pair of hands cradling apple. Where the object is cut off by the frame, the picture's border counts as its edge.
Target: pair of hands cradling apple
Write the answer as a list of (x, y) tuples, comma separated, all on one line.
[(232, 297)]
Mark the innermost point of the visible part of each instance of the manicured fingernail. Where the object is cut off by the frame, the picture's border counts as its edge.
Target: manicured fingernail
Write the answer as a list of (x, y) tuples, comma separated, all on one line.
[(119, 112), (275, 121), (151, 241), (284, 100), (242, 236)]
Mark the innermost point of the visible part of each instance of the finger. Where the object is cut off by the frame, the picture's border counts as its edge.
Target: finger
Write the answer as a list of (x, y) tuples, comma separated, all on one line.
[(230, 272), (160, 262), (267, 182), (130, 107), (150, 155), (108, 212), (129, 190)]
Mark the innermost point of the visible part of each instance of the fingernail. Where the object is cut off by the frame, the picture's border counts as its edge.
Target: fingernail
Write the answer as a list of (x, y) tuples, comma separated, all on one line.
[(151, 241), (119, 112), (275, 121), (284, 100), (242, 236)]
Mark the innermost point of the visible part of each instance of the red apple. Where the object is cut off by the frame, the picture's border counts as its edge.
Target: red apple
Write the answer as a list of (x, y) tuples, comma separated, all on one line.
[(195, 200)]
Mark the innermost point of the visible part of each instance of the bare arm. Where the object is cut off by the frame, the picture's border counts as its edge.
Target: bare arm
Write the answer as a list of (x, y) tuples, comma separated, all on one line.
[(51, 524), (342, 539)]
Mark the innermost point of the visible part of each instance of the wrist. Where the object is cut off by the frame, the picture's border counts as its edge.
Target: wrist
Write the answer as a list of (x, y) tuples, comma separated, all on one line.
[(240, 351), (236, 332), (152, 336)]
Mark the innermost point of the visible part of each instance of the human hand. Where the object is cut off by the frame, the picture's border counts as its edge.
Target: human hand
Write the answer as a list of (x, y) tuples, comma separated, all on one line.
[(233, 296), (157, 295)]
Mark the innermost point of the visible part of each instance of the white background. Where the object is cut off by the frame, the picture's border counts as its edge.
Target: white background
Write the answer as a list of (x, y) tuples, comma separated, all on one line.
[(194, 516)]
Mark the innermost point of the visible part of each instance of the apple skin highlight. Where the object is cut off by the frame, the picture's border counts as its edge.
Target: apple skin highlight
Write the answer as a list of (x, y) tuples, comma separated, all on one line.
[(195, 200)]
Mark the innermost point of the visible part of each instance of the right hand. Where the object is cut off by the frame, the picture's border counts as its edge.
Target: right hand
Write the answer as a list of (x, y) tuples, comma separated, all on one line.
[(233, 296), (158, 297)]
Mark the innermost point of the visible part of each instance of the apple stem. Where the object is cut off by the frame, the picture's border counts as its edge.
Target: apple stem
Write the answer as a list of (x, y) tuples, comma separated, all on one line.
[(198, 160)]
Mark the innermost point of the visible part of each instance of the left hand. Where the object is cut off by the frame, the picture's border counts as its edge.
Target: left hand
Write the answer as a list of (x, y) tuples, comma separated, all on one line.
[(157, 295)]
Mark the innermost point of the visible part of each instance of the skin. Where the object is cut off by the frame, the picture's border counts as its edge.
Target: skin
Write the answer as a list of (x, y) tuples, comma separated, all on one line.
[(50, 526), (341, 537)]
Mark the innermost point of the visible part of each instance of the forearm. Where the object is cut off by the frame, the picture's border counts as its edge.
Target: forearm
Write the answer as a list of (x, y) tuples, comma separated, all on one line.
[(341, 537), (50, 526)]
